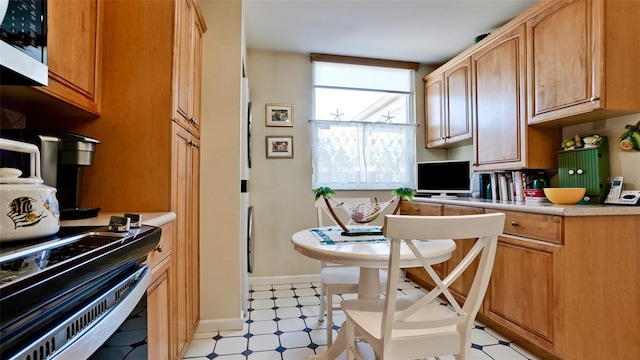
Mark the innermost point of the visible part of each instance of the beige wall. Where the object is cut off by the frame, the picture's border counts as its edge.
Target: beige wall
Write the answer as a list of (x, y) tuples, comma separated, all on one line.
[(220, 165), (280, 189)]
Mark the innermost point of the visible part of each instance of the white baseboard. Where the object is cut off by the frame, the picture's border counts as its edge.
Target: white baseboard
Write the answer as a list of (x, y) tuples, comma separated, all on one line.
[(220, 325), (268, 280)]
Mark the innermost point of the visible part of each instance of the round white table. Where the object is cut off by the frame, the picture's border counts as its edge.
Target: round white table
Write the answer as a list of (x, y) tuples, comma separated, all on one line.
[(370, 256)]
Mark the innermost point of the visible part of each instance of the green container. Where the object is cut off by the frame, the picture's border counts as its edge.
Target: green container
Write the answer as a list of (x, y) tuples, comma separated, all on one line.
[(586, 168)]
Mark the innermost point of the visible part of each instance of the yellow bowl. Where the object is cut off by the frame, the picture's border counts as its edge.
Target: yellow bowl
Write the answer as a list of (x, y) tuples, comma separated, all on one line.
[(564, 196)]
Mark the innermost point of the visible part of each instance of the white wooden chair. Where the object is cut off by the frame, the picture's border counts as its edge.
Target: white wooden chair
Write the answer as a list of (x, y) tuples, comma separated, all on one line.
[(334, 278), (421, 327)]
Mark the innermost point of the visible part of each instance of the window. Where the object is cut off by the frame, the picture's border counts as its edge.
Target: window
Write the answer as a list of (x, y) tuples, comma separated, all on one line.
[(363, 129)]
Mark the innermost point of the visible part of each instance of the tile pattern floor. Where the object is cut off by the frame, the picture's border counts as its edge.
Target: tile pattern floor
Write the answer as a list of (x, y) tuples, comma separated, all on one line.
[(283, 325)]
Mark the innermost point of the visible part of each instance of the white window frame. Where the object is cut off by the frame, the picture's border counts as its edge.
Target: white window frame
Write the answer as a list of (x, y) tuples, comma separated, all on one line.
[(359, 179)]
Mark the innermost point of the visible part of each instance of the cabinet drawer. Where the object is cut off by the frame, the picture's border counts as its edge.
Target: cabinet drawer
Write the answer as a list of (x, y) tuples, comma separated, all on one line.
[(164, 247), (534, 226), (452, 210), (420, 208)]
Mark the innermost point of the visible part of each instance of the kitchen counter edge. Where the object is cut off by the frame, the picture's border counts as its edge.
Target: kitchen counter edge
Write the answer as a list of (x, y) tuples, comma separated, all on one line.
[(542, 208), (148, 218)]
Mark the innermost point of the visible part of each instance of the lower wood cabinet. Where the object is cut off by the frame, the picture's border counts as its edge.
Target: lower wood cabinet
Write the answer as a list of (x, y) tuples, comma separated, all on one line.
[(460, 287), (159, 313), (160, 316), (419, 274), (525, 290)]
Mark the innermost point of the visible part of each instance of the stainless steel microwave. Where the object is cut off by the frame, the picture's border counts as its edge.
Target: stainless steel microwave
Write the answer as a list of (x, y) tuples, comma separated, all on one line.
[(23, 42)]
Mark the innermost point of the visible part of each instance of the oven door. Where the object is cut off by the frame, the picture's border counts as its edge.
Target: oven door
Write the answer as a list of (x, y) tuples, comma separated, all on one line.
[(84, 330)]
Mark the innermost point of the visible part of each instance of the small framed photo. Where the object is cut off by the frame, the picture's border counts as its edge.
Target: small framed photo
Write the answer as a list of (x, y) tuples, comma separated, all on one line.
[(279, 114), (279, 147)]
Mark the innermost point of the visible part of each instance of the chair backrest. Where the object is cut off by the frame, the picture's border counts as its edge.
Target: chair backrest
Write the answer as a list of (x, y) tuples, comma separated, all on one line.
[(323, 211), (484, 227)]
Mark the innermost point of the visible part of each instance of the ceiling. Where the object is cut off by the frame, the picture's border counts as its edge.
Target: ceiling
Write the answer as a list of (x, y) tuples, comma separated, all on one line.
[(423, 31)]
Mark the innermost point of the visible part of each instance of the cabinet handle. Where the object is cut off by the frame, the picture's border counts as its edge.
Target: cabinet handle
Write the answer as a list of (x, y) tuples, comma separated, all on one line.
[(194, 121), (579, 171), (417, 209), (514, 223), (571, 172), (193, 143), (159, 248), (594, 98)]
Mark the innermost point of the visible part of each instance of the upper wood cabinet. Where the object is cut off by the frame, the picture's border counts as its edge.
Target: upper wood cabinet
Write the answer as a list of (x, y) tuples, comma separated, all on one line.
[(502, 138), (448, 105), (582, 58), (188, 65), (74, 59)]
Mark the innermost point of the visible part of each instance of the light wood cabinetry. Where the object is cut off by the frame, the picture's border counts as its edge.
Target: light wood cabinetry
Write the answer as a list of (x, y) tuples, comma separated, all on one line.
[(146, 161), (186, 261), (74, 58), (74, 28), (188, 65), (582, 61), (419, 274), (499, 109), (159, 310), (460, 288), (525, 292), (562, 286), (448, 105)]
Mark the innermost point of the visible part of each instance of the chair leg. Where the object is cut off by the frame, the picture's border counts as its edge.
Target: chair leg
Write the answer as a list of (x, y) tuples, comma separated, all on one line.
[(351, 341), (329, 316), (323, 302)]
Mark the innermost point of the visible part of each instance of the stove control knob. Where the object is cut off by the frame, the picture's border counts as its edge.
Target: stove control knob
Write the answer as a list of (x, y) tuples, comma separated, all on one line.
[(136, 220), (119, 224)]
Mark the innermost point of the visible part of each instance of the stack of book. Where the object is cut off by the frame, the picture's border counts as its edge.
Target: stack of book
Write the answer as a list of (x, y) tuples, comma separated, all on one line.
[(505, 186)]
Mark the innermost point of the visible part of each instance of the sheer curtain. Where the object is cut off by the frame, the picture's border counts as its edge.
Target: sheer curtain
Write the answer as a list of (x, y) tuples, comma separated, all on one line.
[(352, 155)]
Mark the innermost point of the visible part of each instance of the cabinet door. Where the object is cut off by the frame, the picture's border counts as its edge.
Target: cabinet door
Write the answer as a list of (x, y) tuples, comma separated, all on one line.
[(524, 293), (448, 105), (196, 46), (563, 59), (74, 28), (498, 69), (183, 64), (193, 261), (158, 314), (180, 204), (460, 288), (434, 112), (458, 101)]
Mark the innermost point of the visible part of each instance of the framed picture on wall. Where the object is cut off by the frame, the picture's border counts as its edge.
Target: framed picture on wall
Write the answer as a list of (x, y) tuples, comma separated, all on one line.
[(279, 147), (279, 114)]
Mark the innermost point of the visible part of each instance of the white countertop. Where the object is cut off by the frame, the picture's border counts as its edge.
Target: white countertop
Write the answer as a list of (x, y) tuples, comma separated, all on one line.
[(539, 208), (148, 218)]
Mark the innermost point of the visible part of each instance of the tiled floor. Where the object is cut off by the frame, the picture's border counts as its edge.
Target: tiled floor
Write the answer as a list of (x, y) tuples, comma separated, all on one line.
[(283, 324)]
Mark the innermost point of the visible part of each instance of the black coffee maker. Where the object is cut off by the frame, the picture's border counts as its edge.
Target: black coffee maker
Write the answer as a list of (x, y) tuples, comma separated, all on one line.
[(62, 156)]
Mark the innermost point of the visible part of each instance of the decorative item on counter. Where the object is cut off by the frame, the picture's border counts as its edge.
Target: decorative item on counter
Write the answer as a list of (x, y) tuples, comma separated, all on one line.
[(577, 142), (536, 193), (592, 140), (630, 140), (565, 196)]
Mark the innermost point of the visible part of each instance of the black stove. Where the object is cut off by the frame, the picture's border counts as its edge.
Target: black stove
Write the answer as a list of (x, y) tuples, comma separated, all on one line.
[(46, 279)]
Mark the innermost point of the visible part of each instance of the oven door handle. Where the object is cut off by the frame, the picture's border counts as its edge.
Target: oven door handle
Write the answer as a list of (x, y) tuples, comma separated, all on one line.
[(89, 335)]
